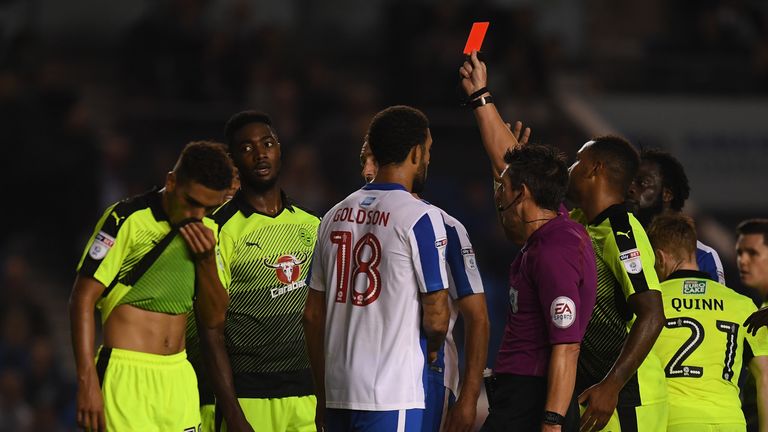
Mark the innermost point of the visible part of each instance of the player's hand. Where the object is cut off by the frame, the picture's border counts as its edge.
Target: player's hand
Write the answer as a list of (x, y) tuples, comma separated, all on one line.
[(200, 240), (601, 400), (320, 417), (461, 417), (473, 74), (90, 405), (756, 320), (550, 428), (239, 425), (520, 134)]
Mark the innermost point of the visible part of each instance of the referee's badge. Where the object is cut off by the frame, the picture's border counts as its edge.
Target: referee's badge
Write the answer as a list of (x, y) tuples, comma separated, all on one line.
[(513, 298), (102, 243)]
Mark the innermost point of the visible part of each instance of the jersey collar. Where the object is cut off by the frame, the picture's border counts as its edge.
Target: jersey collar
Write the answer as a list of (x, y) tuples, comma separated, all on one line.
[(247, 209), (687, 274), (155, 198), (384, 186), (605, 214)]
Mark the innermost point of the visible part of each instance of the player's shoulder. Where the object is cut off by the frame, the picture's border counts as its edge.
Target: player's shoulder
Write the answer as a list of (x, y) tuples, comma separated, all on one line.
[(142, 209), (132, 205)]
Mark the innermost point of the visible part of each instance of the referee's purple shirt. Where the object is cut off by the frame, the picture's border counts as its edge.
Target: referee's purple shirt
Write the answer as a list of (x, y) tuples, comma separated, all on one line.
[(552, 292)]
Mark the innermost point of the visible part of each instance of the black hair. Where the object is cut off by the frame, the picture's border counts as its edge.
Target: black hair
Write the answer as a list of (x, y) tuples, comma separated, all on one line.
[(543, 169), (243, 118), (672, 175), (207, 163), (619, 157), (395, 131), (754, 226)]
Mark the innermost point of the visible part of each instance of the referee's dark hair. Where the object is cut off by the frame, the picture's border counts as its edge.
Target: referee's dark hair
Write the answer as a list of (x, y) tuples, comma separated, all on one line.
[(241, 119), (674, 233), (543, 169), (619, 157), (672, 175), (754, 226), (394, 131), (207, 163)]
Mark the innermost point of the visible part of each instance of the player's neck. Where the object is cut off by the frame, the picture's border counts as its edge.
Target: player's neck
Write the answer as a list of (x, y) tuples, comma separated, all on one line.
[(393, 174), (599, 202), (268, 201), (535, 219)]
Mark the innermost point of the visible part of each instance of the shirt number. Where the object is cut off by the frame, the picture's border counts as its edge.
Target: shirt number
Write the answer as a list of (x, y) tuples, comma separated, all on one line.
[(675, 367), (367, 256)]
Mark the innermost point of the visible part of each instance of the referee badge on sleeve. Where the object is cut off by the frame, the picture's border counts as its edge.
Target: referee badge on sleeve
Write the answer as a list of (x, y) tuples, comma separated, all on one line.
[(102, 243)]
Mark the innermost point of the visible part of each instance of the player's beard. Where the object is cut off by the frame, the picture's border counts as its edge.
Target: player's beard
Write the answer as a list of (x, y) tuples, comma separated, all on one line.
[(420, 181), (645, 215)]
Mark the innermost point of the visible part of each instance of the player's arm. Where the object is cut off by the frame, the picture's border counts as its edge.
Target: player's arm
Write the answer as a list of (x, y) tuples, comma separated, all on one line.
[(603, 396), (314, 335), (474, 312), (212, 299), (82, 304), (219, 370), (434, 320), (758, 367), (496, 135)]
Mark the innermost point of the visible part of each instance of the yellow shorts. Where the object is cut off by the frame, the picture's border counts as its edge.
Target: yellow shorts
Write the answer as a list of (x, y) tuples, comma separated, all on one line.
[(643, 418), (288, 414), (148, 392)]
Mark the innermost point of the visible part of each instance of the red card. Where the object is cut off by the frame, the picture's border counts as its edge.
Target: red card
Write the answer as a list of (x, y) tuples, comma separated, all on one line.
[(476, 36)]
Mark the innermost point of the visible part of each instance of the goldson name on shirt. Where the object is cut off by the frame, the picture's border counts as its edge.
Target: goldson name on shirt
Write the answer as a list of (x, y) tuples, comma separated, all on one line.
[(361, 217)]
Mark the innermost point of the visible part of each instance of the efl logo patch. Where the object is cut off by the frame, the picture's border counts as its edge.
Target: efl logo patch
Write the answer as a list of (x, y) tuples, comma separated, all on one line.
[(469, 258), (631, 260), (513, 299), (102, 243), (694, 287), (563, 311)]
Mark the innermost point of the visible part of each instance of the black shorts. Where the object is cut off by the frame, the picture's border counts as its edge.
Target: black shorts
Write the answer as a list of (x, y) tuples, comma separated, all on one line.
[(516, 403)]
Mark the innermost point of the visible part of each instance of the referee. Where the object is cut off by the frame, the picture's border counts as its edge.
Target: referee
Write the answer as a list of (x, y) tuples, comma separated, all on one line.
[(257, 362)]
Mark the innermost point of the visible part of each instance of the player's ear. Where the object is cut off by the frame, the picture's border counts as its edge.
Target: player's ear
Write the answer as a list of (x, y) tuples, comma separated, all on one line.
[(170, 181), (415, 154), (666, 195)]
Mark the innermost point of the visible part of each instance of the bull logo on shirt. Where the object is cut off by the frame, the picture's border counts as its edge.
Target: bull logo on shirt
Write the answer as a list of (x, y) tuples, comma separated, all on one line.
[(287, 268)]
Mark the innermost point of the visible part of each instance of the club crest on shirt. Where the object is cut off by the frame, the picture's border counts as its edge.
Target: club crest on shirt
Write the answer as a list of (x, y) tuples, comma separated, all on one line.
[(563, 311), (631, 260), (102, 243)]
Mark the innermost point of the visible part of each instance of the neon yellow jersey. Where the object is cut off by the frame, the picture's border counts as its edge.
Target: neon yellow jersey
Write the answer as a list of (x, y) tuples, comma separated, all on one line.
[(267, 259), (701, 348), (126, 232), (625, 261)]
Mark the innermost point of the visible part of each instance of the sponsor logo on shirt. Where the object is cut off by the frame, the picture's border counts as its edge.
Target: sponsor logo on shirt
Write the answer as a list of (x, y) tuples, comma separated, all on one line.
[(694, 287), (631, 260), (102, 243), (367, 201), (563, 311), (469, 258), (287, 268), (441, 242)]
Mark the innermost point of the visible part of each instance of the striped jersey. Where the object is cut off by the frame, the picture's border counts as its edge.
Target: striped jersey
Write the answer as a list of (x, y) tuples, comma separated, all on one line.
[(266, 260), (377, 250), (625, 266), (709, 262)]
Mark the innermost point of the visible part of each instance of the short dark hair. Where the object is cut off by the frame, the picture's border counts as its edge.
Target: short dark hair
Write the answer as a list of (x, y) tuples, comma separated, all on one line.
[(394, 131), (672, 175), (620, 158), (543, 169), (243, 118), (673, 233), (754, 226), (207, 163)]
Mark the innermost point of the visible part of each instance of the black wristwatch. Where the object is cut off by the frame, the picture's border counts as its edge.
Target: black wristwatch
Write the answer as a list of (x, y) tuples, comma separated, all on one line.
[(553, 418)]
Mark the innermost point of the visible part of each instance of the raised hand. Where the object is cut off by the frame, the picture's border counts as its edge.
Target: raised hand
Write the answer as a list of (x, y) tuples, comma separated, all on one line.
[(200, 240), (474, 74)]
